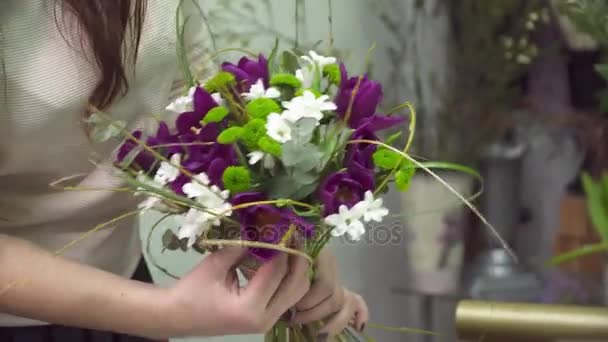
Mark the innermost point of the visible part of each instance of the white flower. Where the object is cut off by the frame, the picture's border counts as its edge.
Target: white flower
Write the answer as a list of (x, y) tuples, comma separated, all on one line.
[(151, 202), (278, 128), (197, 188), (167, 172), (307, 106), (258, 91), (266, 158), (182, 103), (217, 97), (347, 221), (306, 76), (372, 209), (319, 60), (193, 224)]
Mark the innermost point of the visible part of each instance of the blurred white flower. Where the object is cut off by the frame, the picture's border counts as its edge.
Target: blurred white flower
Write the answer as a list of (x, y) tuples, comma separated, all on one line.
[(347, 221), (167, 172), (307, 106), (193, 224), (217, 97), (321, 61), (278, 128), (266, 158), (183, 103), (197, 188), (258, 91), (372, 208), (306, 76)]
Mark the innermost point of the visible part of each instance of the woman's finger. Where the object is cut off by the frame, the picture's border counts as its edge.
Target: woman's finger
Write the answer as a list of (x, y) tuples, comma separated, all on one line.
[(361, 312), (292, 288), (325, 309), (336, 324), (324, 284), (266, 281)]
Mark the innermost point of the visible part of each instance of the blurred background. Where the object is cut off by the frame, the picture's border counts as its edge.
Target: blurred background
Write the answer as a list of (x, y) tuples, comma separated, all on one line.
[(513, 88)]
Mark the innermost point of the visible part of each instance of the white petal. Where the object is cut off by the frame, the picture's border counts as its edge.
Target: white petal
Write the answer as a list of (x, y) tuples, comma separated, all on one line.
[(167, 172), (273, 93), (269, 161), (255, 157), (328, 106), (278, 128), (358, 210), (338, 231), (150, 203), (355, 230), (300, 75), (217, 97), (334, 220)]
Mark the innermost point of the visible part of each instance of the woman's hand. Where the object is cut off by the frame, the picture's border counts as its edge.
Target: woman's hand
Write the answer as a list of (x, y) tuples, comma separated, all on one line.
[(328, 301), (209, 301)]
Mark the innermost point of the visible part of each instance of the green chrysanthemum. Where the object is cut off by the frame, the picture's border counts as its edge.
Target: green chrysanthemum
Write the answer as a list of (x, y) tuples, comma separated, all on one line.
[(403, 178), (230, 135), (332, 72), (262, 107), (314, 91), (253, 131), (269, 145), (236, 179), (216, 114), (386, 159), (220, 81), (288, 80)]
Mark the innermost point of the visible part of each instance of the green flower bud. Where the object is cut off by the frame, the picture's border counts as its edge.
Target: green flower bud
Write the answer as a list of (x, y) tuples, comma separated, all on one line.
[(262, 107), (230, 135), (288, 80), (271, 146), (220, 81), (403, 178), (253, 131), (237, 179), (216, 114)]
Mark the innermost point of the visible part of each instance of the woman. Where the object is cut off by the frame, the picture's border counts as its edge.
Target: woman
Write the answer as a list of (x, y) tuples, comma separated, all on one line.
[(58, 57)]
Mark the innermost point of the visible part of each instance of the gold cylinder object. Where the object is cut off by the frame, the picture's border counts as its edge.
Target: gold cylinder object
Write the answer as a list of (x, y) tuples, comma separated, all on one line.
[(487, 320)]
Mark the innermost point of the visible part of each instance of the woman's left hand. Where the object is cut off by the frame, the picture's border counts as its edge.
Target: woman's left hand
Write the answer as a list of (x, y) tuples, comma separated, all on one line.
[(328, 301)]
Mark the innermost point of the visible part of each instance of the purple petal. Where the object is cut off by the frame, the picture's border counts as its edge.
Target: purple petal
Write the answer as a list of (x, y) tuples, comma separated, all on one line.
[(363, 176), (188, 120), (203, 102), (247, 197), (380, 122), (216, 171)]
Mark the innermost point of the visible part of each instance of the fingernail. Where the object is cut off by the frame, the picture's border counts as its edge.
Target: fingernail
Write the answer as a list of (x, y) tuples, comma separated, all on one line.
[(322, 337), (287, 316)]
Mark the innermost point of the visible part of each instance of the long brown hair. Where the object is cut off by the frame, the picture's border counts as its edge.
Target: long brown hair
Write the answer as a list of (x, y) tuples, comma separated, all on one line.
[(104, 23)]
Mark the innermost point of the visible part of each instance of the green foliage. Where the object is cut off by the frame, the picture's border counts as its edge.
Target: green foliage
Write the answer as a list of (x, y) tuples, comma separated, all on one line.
[(103, 129), (332, 72), (403, 177), (597, 202), (386, 159), (589, 16), (262, 107), (220, 81), (230, 135), (288, 80), (289, 62), (237, 179), (216, 114), (253, 131), (269, 145)]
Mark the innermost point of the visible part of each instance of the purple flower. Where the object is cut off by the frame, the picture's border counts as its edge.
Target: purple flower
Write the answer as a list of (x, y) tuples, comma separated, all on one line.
[(164, 137), (144, 159), (266, 223), (366, 101), (247, 72), (346, 188), (361, 154), (202, 103)]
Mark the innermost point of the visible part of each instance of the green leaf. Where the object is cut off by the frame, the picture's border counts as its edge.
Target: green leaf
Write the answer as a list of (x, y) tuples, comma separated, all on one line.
[(273, 56), (579, 253), (333, 73), (230, 135), (602, 69), (216, 114), (303, 130), (303, 157), (403, 177), (104, 129), (289, 62), (393, 138), (386, 159), (595, 205)]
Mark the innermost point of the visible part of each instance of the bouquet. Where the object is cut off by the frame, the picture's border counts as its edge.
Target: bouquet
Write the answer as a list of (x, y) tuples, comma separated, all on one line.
[(277, 154)]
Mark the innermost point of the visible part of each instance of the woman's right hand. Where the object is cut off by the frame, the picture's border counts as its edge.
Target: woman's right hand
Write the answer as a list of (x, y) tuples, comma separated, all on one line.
[(210, 302)]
